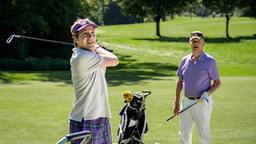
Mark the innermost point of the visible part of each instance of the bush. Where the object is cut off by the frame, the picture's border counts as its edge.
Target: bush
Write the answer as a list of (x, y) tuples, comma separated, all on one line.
[(31, 63)]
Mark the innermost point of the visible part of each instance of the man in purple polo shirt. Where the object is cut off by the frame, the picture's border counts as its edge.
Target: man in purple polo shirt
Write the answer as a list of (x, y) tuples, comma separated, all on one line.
[(198, 77)]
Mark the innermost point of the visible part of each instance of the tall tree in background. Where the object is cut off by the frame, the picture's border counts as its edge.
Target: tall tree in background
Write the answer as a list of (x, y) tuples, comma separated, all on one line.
[(113, 15), (223, 7), (158, 9), (252, 4), (249, 6), (94, 9)]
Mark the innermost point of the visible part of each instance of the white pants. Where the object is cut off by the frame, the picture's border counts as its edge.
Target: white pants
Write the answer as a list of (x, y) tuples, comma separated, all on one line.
[(199, 114)]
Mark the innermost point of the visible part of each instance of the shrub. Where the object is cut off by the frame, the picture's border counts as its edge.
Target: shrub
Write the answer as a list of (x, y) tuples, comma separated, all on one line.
[(31, 63)]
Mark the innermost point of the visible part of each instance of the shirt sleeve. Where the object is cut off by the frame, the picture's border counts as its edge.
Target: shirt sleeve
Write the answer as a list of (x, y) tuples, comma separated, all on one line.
[(87, 62), (179, 71), (92, 62), (213, 71)]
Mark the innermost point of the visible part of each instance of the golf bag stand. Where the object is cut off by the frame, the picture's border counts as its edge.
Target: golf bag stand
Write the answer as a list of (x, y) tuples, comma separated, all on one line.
[(133, 124)]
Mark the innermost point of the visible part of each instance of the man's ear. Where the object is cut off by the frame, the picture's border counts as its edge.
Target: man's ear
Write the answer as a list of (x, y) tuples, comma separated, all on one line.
[(76, 40), (203, 42)]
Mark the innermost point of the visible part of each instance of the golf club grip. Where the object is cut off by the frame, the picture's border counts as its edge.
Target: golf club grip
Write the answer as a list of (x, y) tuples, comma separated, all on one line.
[(181, 111), (171, 118), (102, 46), (187, 108), (77, 134)]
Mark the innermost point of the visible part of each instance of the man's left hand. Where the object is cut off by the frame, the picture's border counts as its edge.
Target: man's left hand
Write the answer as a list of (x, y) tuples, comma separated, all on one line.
[(204, 96)]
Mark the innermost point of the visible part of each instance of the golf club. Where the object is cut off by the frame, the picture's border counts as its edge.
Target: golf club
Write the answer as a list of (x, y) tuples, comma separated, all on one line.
[(8, 41), (181, 111), (10, 38)]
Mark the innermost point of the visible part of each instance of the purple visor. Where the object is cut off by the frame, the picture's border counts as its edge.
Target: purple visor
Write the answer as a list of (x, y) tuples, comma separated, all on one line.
[(79, 25)]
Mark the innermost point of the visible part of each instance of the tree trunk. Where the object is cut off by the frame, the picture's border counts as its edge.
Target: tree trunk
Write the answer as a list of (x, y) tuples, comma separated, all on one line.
[(227, 23), (102, 11), (190, 13), (158, 17)]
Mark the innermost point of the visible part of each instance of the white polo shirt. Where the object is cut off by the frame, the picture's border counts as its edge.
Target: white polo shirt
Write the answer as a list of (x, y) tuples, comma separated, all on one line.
[(90, 86)]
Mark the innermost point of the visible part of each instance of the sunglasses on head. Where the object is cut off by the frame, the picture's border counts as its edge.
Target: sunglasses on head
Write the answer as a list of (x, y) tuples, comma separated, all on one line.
[(197, 34)]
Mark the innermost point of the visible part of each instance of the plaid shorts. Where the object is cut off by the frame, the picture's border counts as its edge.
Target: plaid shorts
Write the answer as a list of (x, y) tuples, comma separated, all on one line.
[(100, 130)]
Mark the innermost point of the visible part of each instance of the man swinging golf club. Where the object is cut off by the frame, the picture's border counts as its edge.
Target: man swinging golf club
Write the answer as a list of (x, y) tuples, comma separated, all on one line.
[(198, 76), (91, 110)]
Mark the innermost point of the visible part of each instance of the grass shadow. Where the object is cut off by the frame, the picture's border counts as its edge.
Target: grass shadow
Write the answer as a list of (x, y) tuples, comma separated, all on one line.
[(9, 77), (129, 71), (4, 79), (207, 39)]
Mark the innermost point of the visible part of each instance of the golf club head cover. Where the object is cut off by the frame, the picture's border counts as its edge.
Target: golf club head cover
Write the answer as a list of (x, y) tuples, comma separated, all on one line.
[(127, 96)]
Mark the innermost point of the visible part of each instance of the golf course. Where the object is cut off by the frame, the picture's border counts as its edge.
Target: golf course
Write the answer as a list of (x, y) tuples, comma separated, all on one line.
[(35, 105)]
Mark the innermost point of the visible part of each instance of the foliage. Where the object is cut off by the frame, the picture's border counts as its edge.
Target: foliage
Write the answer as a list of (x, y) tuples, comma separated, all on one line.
[(93, 9), (248, 7), (31, 63), (49, 19), (224, 7), (113, 15)]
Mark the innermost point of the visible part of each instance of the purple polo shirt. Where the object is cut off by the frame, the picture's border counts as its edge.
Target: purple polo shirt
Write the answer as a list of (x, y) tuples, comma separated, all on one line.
[(197, 76)]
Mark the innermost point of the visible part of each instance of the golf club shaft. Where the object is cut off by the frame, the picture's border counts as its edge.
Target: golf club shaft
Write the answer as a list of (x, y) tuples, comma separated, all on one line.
[(8, 41), (37, 39), (181, 111)]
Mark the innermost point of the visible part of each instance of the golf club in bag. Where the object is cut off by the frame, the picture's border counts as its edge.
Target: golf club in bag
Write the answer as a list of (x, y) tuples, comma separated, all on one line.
[(84, 135), (133, 124), (10, 38)]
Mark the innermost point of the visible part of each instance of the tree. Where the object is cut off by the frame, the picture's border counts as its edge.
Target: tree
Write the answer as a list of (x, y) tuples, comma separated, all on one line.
[(158, 9), (223, 7), (92, 9), (248, 7), (49, 19), (113, 15)]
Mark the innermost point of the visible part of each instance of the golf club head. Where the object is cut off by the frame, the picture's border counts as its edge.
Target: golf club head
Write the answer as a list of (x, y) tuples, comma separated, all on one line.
[(10, 38)]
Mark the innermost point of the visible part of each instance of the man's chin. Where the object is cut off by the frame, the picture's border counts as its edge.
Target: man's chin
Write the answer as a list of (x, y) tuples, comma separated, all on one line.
[(91, 46)]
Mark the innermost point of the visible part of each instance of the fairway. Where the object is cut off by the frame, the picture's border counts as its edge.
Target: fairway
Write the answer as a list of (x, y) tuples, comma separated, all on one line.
[(34, 105), (37, 111)]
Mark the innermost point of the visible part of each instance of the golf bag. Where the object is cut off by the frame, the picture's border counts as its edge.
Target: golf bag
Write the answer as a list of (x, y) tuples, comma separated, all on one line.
[(133, 124)]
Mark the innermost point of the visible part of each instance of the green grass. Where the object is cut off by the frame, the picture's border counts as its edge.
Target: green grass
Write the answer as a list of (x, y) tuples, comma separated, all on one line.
[(34, 105), (236, 56), (36, 111)]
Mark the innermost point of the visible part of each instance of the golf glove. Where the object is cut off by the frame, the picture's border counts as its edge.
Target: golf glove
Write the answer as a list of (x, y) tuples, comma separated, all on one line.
[(204, 96)]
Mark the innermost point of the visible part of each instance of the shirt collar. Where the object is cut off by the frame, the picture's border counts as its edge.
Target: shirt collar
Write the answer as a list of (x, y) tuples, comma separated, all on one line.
[(201, 57)]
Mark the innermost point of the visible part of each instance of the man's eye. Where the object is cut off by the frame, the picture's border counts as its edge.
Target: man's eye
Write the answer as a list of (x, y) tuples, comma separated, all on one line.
[(86, 34)]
